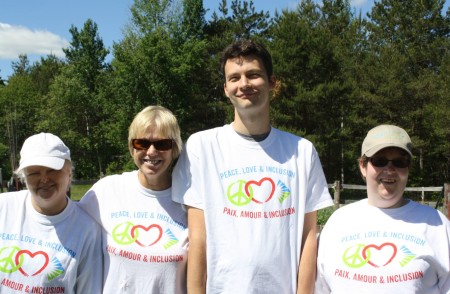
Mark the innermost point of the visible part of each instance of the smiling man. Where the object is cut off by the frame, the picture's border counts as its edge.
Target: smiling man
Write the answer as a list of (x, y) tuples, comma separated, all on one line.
[(252, 191), (56, 246)]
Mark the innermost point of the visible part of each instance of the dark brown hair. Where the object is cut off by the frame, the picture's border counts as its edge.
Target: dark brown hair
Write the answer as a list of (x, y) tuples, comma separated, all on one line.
[(243, 48)]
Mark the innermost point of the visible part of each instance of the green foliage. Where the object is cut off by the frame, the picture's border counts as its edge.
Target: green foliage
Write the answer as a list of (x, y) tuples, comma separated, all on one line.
[(77, 191), (323, 215), (339, 75)]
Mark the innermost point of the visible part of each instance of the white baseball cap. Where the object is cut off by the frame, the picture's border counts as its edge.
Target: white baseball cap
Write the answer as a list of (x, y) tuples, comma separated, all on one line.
[(44, 149)]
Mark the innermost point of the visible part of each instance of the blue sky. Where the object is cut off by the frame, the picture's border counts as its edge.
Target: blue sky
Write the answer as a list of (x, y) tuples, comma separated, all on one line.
[(41, 27)]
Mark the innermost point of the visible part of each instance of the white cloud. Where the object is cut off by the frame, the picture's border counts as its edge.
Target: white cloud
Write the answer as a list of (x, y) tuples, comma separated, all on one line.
[(15, 40)]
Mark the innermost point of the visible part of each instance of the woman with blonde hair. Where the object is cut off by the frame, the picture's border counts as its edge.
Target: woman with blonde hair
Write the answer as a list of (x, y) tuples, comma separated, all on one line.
[(145, 232)]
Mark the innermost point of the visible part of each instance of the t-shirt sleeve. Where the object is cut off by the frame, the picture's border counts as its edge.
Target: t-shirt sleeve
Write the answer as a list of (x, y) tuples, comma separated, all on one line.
[(89, 203), (186, 178), (444, 280), (318, 194), (90, 269)]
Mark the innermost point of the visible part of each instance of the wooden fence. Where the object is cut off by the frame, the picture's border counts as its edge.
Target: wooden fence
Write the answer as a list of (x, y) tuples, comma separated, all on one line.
[(445, 192)]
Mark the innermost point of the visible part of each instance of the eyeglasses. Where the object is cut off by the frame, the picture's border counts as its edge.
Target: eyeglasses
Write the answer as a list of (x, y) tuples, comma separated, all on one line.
[(144, 144), (383, 161)]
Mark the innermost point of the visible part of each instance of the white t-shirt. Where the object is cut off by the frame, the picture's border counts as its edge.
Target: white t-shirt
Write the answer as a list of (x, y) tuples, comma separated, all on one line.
[(254, 196), (365, 249), (145, 239), (47, 254)]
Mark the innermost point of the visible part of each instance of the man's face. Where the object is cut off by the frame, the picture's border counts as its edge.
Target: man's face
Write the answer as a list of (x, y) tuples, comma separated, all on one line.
[(247, 84)]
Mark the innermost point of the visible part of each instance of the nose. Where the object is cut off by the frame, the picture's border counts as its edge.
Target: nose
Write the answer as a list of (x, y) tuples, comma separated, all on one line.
[(390, 165), (44, 178), (245, 82), (151, 149)]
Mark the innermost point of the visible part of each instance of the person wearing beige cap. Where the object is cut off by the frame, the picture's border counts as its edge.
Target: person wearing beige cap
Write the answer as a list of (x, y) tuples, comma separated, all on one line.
[(385, 243), (47, 243)]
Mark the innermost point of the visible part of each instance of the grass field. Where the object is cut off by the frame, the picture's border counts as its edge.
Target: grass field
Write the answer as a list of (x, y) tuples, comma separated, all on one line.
[(77, 191)]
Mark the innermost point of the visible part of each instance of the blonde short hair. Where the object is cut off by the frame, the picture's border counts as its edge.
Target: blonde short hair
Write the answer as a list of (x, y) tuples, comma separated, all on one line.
[(164, 123)]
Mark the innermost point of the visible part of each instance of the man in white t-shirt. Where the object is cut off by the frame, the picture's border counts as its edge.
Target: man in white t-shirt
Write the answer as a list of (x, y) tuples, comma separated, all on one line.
[(252, 191)]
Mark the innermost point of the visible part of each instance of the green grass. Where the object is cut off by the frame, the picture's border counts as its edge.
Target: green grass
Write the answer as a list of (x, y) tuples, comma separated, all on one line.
[(77, 191), (323, 215)]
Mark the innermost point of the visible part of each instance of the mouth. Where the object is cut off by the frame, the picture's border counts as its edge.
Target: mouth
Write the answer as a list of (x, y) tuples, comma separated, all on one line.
[(246, 95), (45, 191), (46, 188), (388, 181), (152, 161)]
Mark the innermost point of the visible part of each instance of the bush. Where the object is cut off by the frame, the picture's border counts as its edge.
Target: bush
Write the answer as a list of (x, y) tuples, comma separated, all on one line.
[(323, 215)]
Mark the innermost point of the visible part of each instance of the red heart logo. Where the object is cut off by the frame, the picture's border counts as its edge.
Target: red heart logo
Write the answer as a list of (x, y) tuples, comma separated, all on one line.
[(150, 237), (34, 266), (262, 182), (382, 256)]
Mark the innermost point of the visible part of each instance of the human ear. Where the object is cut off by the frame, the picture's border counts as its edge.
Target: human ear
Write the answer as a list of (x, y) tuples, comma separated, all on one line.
[(363, 169)]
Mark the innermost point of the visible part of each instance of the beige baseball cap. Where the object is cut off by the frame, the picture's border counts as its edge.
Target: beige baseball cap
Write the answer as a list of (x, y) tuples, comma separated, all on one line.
[(384, 136)]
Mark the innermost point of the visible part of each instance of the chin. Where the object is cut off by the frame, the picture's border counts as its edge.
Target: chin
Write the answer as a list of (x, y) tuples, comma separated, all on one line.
[(390, 203)]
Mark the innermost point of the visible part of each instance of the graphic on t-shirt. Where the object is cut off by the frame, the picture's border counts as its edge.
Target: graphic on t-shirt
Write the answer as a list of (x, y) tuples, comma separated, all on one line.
[(34, 263), (146, 236), (260, 191), (127, 233), (8, 260), (29, 263), (378, 257), (381, 255)]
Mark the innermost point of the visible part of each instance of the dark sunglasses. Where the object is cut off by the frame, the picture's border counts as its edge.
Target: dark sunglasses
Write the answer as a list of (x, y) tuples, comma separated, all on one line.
[(144, 144), (383, 161)]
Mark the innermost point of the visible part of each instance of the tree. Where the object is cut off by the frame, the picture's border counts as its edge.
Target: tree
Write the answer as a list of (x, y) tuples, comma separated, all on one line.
[(22, 66), (76, 107), (160, 62), (87, 53), (406, 42), (312, 49)]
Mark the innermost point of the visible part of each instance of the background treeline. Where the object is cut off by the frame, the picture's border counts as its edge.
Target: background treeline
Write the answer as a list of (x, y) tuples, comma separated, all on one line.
[(340, 73)]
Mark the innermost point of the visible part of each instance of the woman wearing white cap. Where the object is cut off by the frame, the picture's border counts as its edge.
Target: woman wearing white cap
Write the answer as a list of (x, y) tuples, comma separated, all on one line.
[(145, 239), (385, 243), (48, 244)]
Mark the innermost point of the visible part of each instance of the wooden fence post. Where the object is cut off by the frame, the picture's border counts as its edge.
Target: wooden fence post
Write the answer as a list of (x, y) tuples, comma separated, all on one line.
[(337, 194)]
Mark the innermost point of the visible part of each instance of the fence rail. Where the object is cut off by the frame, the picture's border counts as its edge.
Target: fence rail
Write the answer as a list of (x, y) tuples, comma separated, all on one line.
[(445, 190), (363, 187)]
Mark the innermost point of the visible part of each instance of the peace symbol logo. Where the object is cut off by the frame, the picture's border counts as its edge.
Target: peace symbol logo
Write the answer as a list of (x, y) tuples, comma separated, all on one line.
[(7, 259), (122, 234), (266, 186), (151, 235), (353, 256), (34, 263), (381, 255), (236, 194)]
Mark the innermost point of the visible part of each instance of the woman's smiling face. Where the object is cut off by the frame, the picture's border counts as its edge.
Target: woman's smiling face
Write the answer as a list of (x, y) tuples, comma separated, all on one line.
[(385, 185), (154, 165), (48, 187)]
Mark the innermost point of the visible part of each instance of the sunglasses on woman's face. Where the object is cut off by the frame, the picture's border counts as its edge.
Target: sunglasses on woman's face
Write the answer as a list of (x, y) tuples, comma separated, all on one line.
[(144, 144), (383, 161)]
